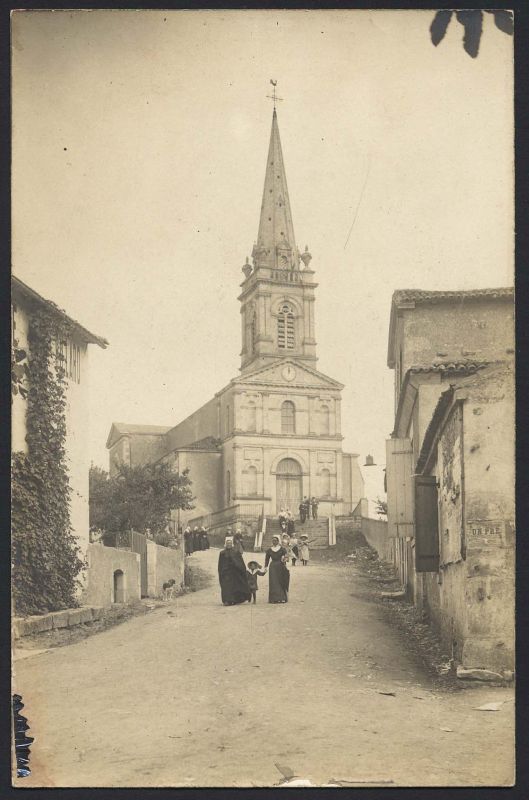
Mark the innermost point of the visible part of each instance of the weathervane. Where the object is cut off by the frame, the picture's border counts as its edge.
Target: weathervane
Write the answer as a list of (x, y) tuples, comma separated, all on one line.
[(274, 96)]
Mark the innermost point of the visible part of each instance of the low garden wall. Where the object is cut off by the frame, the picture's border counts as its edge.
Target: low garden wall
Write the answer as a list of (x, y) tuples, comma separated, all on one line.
[(163, 564), (104, 563)]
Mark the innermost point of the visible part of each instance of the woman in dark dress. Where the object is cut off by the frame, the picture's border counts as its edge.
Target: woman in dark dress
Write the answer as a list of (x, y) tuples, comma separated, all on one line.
[(188, 541), (278, 574), (205, 539), (234, 587)]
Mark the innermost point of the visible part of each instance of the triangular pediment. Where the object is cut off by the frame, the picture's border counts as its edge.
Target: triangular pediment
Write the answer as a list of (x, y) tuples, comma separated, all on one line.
[(289, 372)]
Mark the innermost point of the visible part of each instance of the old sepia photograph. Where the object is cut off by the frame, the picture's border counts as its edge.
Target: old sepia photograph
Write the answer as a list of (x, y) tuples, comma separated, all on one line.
[(262, 398)]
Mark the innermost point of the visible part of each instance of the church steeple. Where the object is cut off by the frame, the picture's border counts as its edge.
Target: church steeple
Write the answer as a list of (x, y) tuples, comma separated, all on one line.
[(276, 244), (277, 299)]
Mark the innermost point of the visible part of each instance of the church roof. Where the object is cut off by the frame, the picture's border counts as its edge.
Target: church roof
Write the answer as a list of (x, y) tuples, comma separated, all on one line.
[(207, 443), (120, 429), (276, 229)]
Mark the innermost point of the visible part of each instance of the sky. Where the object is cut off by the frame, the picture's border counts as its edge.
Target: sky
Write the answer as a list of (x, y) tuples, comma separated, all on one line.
[(139, 149)]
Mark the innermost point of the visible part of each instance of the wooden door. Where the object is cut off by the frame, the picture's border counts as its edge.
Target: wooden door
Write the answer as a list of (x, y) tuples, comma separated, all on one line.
[(288, 485)]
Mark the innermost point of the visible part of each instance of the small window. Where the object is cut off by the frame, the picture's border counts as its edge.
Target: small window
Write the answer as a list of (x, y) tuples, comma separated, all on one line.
[(288, 417), (228, 488), (227, 420), (285, 328)]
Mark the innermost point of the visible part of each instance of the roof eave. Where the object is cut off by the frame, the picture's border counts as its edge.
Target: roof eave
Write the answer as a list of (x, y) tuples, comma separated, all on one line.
[(18, 286)]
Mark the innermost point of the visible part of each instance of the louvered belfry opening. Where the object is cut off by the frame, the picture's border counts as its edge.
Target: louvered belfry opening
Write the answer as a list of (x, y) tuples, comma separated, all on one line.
[(285, 328)]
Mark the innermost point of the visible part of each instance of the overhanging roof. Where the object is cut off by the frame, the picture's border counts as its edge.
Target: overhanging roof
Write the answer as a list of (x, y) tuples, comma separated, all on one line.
[(19, 288)]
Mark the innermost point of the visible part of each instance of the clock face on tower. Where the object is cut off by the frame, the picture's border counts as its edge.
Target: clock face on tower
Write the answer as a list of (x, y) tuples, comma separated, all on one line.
[(288, 372)]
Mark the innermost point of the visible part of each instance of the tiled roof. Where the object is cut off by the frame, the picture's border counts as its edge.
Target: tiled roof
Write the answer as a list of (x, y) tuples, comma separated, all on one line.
[(20, 288), (449, 366), (427, 296), (208, 443), (429, 437)]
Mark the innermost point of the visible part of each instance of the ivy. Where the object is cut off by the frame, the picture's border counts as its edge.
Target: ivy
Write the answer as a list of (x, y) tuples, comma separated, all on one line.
[(45, 554)]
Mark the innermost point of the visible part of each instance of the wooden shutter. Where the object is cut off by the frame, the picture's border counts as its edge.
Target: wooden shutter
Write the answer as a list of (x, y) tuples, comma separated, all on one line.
[(426, 524), (399, 476)]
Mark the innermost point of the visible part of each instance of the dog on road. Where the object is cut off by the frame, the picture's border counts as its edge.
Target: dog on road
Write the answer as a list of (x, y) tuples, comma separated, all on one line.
[(168, 589)]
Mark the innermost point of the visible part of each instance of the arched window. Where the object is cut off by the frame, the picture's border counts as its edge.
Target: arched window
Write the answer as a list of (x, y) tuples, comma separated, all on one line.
[(288, 417), (251, 486), (251, 417), (325, 483), (325, 420), (285, 328)]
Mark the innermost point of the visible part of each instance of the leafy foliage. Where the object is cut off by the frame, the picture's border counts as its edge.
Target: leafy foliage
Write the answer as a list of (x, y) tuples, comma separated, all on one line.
[(472, 22), (382, 507), (138, 497), (44, 551), (19, 367)]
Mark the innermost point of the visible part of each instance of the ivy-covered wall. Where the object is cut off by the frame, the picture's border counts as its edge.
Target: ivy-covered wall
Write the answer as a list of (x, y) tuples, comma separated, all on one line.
[(45, 553)]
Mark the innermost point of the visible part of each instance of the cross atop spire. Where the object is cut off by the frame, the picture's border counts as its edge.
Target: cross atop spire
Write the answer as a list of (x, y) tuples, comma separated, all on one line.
[(276, 245), (274, 96)]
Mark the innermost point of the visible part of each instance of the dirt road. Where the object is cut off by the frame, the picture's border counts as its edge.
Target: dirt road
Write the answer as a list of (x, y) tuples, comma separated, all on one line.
[(197, 694)]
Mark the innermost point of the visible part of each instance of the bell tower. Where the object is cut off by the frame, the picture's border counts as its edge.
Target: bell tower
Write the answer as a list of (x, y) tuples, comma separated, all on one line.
[(277, 298)]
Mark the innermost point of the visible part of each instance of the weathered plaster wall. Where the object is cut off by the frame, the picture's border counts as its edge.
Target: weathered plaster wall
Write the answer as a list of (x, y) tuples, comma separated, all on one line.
[(202, 423), (471, 600), (102, 563), (376, 534), (145, 448), (163, 564), (483, 330), (205, 472)]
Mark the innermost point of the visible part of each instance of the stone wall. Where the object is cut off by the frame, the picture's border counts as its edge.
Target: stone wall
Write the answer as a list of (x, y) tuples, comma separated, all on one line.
[(471, 599), (163, 564), (103, 562), (376, 534)]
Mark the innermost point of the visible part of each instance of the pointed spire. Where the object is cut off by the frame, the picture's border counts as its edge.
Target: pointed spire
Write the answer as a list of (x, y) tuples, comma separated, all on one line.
[(276, 245)]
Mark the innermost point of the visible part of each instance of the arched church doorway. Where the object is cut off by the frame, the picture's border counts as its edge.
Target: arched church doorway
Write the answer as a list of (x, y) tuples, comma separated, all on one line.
[(289, 489)]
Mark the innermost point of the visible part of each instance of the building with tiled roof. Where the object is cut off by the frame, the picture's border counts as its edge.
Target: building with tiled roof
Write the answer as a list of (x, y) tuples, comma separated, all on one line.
[(450, 466)]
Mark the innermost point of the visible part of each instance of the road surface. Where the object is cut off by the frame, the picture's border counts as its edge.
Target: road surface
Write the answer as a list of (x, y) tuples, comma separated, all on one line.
[(198, 694)]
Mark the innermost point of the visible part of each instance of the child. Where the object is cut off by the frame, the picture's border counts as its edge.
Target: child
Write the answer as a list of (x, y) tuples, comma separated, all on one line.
[(252, 571), (294, 547), (304, 551)]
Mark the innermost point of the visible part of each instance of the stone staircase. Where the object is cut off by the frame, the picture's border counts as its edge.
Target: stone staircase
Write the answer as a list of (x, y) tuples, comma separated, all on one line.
[(316, 529)]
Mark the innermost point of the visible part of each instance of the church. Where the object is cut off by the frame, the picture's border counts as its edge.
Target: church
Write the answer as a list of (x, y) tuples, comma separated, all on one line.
[(272, 436)]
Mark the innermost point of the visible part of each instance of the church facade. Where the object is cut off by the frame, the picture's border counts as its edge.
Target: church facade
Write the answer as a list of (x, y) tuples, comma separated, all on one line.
[(272, 436)]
